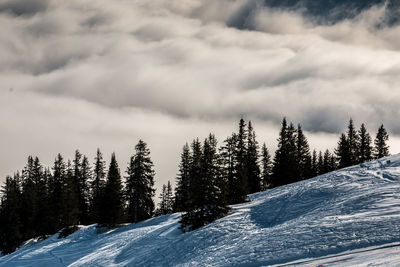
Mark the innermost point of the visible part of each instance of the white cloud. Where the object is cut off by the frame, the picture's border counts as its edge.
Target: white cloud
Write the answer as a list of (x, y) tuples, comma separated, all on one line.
[(89, 73)]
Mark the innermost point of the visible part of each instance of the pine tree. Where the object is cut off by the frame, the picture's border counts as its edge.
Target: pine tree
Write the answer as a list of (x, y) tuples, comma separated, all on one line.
[(266, 167), (285, 169), (71, 197), (57, 196), (303, 156), (320, 163), (140, 183), (182, 180), (314, 164), (97, 187), (29, 199), (82, 174), (252, 164), (343, 153), (238, 186), (207, 201), (11, 232), (365, 148), (228, 166), (112, 208), (352, 142), (165, 206), (381, 149), (327, 162)]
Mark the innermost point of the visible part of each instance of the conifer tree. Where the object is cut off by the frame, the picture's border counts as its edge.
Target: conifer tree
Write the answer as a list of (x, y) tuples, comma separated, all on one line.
[(342, 153), (381, 149), (327, 162), (266, 168), (207, 201), (252, 164), (303, 156), (29, 199), (352, 143), (11, 232), (365, 147), (285, 169), (82, 174), (140, 183), (165, 206), (182, 180), (71, 193), (57, 197), (314, 164), (320, 163), (228, 165), (97, 187), (238, 186), (112, 208)]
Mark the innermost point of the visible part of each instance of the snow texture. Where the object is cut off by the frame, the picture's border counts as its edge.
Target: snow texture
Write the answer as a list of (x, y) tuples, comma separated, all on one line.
[(353, 214)]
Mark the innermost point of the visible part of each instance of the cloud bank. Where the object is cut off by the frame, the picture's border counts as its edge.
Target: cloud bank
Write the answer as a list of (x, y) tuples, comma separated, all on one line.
[(88, 73)]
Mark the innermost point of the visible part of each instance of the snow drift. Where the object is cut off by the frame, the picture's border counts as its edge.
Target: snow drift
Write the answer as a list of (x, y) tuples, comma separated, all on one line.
[(349, 209)]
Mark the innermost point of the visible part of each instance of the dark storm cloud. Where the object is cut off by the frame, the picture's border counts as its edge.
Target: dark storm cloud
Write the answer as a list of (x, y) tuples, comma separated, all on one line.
[(23, 7)]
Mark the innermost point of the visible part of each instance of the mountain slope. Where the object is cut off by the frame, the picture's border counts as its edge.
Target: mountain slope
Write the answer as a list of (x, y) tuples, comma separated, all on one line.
[(349, 209)]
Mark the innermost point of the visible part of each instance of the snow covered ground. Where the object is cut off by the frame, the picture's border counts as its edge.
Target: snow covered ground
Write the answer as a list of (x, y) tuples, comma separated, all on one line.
[(349, 217)]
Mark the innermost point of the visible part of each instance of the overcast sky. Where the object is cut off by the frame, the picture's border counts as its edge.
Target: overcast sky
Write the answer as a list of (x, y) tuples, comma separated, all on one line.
[(87, 73)]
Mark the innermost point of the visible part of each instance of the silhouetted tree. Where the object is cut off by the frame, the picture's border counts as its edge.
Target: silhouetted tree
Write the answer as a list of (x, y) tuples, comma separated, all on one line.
[(364, 146), (342, 153), (139, 184), (165, 206), (97, 187), (112, 202), (266, 167), (11, 235), (182, 180), (252, 164), (381, 149)]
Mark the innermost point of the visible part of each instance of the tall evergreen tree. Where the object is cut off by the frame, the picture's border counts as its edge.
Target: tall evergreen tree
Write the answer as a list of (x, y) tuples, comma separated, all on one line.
[(285, 169), (57, 196), (238, 186), (365, 147), (342, 153), (182, 180), (207, 201), (228, 165), (11, 232), (252, 164), (29, 199), (112, 203), (314, 164), (320, 163), (71, 197), (97, 187), (266, 167), (139, 184), (82, 174), (165, 206), (303, 156), (381, 149), (352, 143)]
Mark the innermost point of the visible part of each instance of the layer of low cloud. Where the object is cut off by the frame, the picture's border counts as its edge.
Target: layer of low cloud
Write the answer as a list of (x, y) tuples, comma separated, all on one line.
[(88, 73)]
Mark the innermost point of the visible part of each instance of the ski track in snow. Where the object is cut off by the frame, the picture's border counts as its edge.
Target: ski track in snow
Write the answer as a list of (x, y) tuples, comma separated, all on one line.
[(330, 220)]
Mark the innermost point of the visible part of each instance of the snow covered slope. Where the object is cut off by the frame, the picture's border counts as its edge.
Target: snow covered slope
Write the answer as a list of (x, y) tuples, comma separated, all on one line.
[(350, 209)]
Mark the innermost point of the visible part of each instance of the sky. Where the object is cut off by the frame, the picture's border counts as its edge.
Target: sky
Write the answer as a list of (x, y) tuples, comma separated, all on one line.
[(83, 74)]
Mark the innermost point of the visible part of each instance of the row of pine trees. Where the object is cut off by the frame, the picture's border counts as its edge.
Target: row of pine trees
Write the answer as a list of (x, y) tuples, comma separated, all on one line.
[(40, 201)]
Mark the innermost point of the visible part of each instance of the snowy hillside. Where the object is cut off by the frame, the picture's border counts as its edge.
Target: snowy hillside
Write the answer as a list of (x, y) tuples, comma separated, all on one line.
[(351, 209)]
